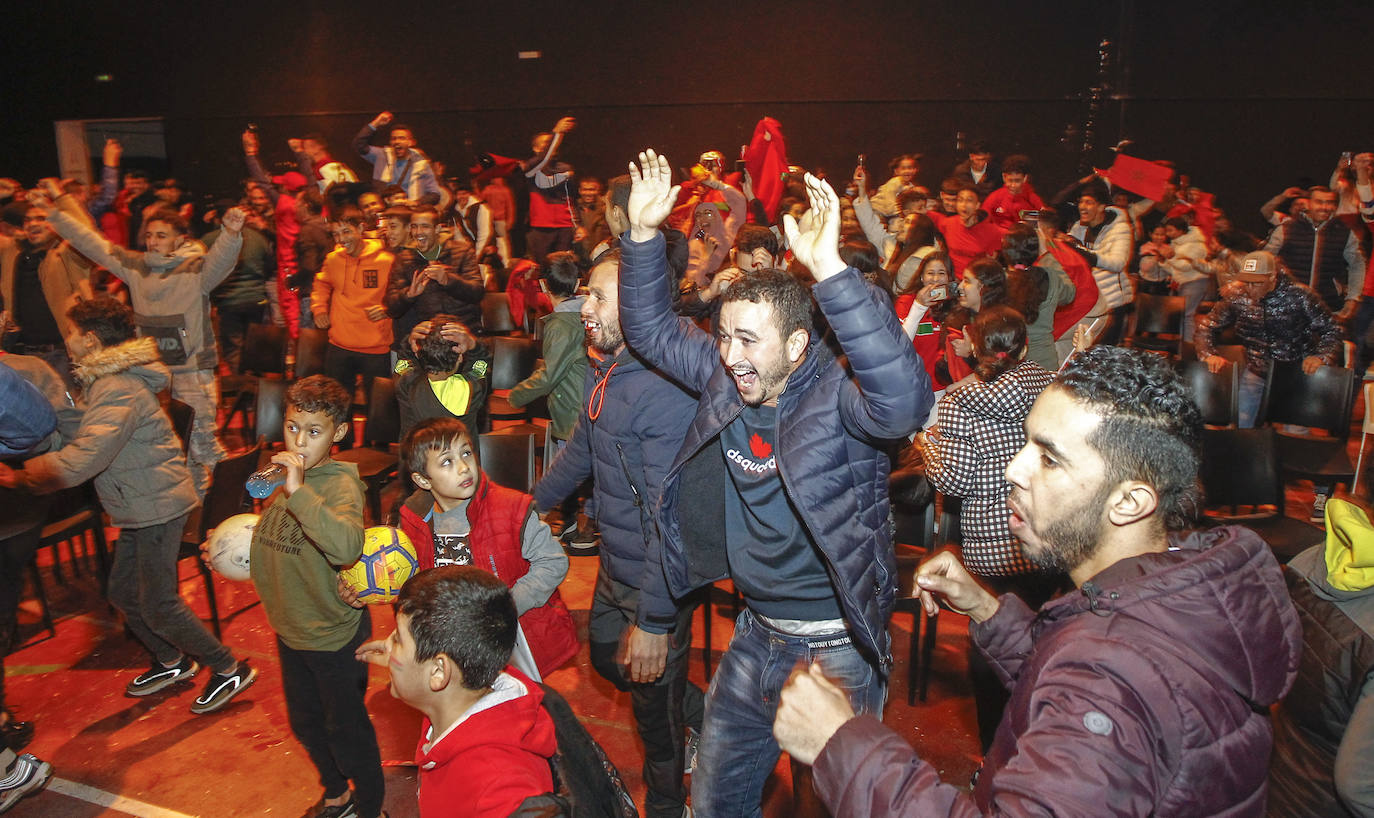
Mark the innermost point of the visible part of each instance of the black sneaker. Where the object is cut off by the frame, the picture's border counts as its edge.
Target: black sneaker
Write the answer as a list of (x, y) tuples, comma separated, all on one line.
[(345, 810), (223, 687), (16, 734), (581, 542), (1318, 514), (160, 676), (29, 775)]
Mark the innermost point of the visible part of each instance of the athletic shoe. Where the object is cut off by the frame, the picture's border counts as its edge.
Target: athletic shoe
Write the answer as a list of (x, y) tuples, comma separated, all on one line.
[(581, 542), (345, 810), (689, 760), (223, 687), (160, 676), (16, 734), (28, 775), (1318, 509)]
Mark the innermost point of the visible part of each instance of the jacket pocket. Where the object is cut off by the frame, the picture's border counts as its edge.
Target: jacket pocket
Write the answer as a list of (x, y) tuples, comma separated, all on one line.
[(170, 333)]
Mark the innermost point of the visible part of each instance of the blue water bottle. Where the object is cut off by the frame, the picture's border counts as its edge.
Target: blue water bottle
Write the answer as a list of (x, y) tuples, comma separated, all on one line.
[(265, 480)]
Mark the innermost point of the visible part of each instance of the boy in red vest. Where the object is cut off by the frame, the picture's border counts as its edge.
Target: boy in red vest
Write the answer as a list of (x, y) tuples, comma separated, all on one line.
[(460, 517)]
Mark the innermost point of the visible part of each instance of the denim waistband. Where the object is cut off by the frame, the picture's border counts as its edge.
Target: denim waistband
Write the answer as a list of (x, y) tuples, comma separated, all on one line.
[(820, 640)]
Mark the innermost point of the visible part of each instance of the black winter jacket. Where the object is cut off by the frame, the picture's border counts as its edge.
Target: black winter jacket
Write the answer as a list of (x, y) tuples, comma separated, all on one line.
[(1288, 324)]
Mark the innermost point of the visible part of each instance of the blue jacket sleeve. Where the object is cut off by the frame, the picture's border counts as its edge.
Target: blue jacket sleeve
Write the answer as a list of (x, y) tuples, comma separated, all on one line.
[(109, 189), (26, 417), (893, 393), (675, 346), (567, 471)]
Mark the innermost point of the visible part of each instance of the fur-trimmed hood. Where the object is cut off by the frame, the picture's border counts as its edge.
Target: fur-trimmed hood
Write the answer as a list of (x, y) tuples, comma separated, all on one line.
[(138, 357)]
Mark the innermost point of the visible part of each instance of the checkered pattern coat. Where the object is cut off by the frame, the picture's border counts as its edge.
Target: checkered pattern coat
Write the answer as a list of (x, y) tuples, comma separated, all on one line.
[(979, 429)]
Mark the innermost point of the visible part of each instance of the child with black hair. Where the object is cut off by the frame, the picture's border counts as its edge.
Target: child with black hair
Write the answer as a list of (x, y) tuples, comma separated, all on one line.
[(563, 369), (450, 377), (486, 741), (126, 443), (310, 529), (459, 516)]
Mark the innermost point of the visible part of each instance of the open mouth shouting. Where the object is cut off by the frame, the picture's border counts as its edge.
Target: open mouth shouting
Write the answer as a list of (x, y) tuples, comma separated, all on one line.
[(746, 377)]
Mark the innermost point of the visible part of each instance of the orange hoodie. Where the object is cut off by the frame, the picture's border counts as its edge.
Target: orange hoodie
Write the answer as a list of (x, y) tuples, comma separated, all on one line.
[(344, 288)]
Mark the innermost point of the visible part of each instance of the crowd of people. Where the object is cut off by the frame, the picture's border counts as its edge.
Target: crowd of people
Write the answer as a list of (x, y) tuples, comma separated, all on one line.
[(732, 362)]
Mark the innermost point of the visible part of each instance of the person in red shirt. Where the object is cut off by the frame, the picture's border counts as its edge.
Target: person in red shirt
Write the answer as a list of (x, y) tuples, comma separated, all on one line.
[(486, 739), (969, 233), (1005, 204)]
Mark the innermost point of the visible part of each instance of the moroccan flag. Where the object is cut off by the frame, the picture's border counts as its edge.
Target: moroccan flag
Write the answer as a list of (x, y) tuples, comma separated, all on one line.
[(766, 159), (1139, 176)]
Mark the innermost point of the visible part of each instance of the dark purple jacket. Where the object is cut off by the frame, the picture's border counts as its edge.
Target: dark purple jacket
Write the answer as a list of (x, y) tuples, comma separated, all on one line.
[(1146, 693)]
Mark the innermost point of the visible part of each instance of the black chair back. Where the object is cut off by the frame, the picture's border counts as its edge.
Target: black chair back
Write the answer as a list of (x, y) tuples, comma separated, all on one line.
[(270, 410), (512, 360), (496, 319), (226, 495), (1158, 323), (264, 350), (1215, 393), (310, 346), (1323, 400), (182, 417), (383, 415), (1240, 468), (508, 458)]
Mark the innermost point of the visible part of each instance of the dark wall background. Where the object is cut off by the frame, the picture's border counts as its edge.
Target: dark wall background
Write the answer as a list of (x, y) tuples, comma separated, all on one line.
[(1248, 97)]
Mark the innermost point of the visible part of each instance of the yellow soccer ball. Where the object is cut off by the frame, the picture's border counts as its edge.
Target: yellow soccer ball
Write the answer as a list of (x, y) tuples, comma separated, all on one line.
[(388, 560)]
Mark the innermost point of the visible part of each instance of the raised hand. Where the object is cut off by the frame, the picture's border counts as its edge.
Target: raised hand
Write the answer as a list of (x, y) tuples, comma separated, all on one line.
[(815, 241), (250, 143), (233, 220), (382, 120), (652, 194), (294, 145), (111, 153), (565, 124)]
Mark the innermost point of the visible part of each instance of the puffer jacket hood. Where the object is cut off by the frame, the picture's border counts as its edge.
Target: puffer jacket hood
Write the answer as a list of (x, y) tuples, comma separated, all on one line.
[(138, 357), (1225, 596)]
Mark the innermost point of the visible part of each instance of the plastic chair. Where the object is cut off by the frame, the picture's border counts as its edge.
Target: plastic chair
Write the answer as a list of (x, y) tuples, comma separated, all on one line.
[(507, 457), (1158, 323), (1240, 469), (914, 542), (264, 355), (1216, 394), (225, 497), (269, 411), (1364, 432), (79, 512), (512, 361), (310, 346), (376, 459), (1323, 400), (182, 417), (496, 318)]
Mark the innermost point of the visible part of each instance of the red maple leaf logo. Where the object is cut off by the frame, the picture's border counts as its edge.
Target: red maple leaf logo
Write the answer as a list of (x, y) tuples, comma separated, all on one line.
[(760, 447)]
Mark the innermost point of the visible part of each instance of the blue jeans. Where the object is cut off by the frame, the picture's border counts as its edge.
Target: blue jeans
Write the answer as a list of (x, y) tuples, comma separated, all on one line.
[(738, 751), (1248, 401)]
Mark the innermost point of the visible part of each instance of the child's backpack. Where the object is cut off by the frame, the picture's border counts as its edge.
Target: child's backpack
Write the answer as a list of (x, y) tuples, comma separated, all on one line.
[(585, 782)]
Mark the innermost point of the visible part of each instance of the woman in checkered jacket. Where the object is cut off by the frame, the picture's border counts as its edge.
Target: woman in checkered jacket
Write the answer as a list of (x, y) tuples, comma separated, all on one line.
[(979, 429)]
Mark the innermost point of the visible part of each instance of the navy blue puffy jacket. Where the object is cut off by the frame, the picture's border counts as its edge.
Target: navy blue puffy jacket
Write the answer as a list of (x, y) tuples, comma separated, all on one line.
[(830, 445)]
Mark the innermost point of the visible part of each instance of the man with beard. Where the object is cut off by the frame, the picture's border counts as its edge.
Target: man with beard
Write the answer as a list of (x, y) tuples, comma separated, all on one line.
[(1145, 693), (781, 481), (630, 427)]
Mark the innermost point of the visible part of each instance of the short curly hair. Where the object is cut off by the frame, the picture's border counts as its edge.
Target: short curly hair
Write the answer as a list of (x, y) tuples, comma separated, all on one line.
[(318, 393), (1151, 429)]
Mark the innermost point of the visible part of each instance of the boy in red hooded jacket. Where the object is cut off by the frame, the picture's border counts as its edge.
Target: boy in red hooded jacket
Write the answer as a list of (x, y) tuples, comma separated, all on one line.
[(486, 739)]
